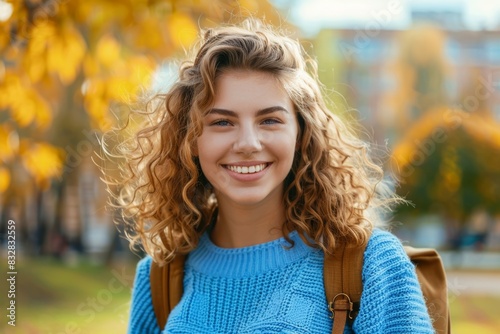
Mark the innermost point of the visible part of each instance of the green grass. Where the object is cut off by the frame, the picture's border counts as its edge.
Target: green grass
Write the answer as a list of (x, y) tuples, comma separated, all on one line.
[(53, 298)]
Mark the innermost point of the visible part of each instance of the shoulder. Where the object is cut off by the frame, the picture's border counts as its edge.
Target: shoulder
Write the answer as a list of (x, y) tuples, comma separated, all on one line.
[(386, 259), (141, 288), (143, 267), (392, 300), (142, 318), (384, 246)]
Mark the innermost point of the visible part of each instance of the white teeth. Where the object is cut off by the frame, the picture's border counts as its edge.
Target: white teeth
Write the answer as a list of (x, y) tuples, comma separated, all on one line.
[(247, 169)]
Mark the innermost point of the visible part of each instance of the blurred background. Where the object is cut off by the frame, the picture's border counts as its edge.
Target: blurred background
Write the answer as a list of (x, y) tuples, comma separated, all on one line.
[(422, 77)]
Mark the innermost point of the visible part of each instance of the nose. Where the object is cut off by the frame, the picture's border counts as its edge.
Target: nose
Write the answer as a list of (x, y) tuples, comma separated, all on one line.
[(247, 141)]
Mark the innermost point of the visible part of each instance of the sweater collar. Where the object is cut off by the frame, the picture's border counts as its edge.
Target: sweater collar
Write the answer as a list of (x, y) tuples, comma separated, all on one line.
[(212, 260)]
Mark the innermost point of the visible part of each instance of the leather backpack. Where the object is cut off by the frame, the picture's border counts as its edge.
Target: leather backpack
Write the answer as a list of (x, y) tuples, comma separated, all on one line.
[(343, 286)]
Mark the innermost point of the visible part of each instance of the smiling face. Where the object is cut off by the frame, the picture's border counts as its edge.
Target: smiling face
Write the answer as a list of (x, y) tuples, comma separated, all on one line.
[(249, 137)]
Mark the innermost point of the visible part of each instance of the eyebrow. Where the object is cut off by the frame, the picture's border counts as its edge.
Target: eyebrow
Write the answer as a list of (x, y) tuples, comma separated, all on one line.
[(261, 112)]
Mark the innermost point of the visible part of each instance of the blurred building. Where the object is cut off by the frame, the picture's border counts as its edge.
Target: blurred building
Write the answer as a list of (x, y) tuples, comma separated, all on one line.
[(463, 75), (368, 54)]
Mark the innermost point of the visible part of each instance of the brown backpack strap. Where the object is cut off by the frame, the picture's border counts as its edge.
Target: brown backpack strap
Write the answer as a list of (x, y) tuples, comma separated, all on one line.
[(166, 287), (343, 285)]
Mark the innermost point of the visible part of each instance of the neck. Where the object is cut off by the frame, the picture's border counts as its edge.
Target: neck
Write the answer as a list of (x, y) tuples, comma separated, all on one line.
[(243, 226)]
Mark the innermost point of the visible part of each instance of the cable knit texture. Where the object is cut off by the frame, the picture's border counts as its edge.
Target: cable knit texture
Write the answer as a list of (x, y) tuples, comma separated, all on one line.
[(270, 288)]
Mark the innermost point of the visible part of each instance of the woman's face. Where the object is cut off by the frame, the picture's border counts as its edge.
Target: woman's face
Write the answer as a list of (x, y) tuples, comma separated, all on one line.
[(249, 138)]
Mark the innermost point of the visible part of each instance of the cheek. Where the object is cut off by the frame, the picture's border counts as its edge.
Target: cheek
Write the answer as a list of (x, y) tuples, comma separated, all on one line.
[(208, 154), (204, 155), (212, 172)]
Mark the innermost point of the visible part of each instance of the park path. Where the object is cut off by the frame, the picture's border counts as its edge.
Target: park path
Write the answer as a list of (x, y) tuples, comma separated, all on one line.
[(467, 282)]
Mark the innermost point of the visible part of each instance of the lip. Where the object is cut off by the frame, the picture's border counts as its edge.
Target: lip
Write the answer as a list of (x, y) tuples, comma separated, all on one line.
[(246, 163)]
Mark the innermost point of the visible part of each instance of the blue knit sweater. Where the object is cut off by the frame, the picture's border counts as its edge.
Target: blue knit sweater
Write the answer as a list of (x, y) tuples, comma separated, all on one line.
[(271, 289)]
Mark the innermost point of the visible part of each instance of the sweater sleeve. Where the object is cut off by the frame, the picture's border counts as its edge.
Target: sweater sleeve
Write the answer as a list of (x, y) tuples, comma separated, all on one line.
[(392, 300), (142, 318)]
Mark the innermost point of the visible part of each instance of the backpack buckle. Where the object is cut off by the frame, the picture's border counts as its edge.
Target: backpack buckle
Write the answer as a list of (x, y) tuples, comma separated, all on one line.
[(341, 304)]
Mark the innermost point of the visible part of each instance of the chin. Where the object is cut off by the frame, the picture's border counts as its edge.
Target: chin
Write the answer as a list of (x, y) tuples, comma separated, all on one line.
[(245, 199)]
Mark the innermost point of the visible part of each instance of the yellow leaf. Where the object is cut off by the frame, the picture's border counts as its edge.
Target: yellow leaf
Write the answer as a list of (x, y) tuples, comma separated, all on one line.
[(97, 108), (36, 70), (117, 88), (41, 34), (402, 154), (34, 58), (43, 161), (136, 75), (43, 116), (23, 112), (183, 31), (66, 53), (56, 55), (108, 51), (4, 179), (27, 106), (6, 86), (148, 34), (142, 70), (90, 66), (9, 142), (128, 77)]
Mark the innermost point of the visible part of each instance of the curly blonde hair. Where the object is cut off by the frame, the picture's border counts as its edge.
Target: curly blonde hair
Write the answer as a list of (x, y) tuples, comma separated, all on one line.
[(168, 202)]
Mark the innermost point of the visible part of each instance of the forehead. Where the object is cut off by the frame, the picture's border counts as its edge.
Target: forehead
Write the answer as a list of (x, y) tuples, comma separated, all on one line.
[(249, 88)]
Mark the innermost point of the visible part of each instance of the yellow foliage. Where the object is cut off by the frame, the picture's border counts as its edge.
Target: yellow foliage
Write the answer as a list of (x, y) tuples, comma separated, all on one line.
[(183, 31), (35, 55), (141, 71), (8, 142), (125, 78), (250, 5), (98, 108), (42, 160), (128, 76), (24, 103), (10, 89), (4, 179), (484, 129), (90, 66), (65, 54), (148, 34), (402, 154), (479, 127), (108, 51), (54, 49)]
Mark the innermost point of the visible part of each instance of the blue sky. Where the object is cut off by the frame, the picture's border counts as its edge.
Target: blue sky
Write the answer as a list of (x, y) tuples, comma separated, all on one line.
[(311, 15)]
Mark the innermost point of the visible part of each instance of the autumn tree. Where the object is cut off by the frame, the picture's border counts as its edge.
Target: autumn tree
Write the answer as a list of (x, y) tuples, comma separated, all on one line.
[(68, 67), (447, 153)]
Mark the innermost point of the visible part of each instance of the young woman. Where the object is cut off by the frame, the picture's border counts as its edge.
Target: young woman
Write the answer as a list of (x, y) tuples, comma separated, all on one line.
[(243, 168)]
